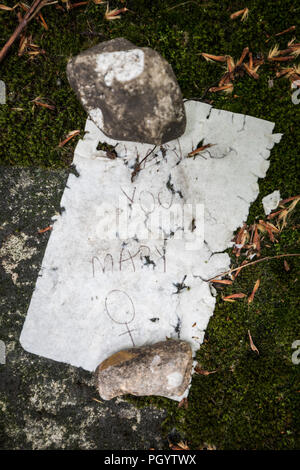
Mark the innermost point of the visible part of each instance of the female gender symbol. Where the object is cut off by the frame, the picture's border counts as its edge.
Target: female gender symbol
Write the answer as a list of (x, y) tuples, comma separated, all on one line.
[(116, 301)]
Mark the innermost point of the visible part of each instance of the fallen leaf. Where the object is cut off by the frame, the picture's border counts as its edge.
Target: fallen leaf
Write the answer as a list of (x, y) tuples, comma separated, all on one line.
[(284, 214), (5, 7), (286, 265), (243, 12), (256, 239), (252, 345), (251, 72), (37, 101), (200, 371), (207, 447), (43, 230), (227, 88), (240, 239), (273, 52), (179, 446), (273, 214), (289, 199), (114, 14), (255, 288), (222, 281), (292, 28), (282, 59), (183, 403), (69, 137), (240, 268), (200, 149), (43, 21), (217, 58), (79, 4), (230, 64), (230, 298), (270, 228), (241, 59)]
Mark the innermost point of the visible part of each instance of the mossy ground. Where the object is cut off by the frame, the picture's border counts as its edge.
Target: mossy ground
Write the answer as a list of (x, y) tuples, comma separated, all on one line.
[(252, 401)]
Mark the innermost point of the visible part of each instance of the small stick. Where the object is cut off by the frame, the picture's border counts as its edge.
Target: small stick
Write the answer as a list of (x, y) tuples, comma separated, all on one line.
[(254, 262), (292, 28)]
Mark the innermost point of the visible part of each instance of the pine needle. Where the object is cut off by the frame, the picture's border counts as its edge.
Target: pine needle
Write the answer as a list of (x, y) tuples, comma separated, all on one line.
[(244, 13), (273, 52), (211, 57)]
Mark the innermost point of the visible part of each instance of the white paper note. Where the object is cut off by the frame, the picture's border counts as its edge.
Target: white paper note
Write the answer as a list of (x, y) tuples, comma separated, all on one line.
[(125, 264)]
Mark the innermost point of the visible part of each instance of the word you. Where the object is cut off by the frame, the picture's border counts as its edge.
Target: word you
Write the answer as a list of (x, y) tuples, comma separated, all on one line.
[(151, 217)]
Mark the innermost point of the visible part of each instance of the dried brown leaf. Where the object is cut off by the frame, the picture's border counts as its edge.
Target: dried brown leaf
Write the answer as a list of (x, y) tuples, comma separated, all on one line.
[(255, 288), (43, 230), (69, 137), (252, 345), (232, 297), (226, 88), (256, 239), (37, 101), (281, 59), (78, 4), (200, 149), (273, 52), (5, 7), (244, 12), (221, 281), (201, 371), (183, 403), (292, 28), (211, 57), (43, 21), (286, 265), (179, 446), (114, 14), (240, 268), (274, 214), (242, 58), (251, 72), (289, 199)]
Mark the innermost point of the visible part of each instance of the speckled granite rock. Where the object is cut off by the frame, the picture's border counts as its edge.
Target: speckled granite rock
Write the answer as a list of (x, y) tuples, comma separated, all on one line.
[(162, 368), (131, 93)]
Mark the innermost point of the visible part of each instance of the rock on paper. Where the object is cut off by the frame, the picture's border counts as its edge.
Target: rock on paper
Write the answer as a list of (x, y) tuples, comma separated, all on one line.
[(100, 291)]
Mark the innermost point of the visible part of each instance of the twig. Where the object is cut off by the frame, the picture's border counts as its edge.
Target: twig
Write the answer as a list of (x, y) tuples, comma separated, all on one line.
[(137, 168), (267, 258), (182, 4), (31, 12)]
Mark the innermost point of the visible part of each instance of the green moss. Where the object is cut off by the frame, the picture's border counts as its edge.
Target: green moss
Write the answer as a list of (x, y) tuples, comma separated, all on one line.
[(252, 401)]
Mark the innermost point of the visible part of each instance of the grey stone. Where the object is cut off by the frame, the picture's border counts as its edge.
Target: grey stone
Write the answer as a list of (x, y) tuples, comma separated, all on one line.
[(131, 93), (162, 368)]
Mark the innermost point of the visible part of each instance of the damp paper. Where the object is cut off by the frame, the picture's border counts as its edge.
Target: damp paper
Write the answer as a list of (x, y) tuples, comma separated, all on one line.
[(141, 231)]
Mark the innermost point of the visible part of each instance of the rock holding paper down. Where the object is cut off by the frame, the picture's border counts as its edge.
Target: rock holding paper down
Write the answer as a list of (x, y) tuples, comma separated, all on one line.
[(130, 92), (162, 368), (129, 257)]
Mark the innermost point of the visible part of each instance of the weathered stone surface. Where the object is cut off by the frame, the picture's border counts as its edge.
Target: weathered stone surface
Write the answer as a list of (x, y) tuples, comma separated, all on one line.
[(162, 368), (45, 404), (131, 93)]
